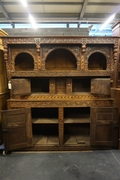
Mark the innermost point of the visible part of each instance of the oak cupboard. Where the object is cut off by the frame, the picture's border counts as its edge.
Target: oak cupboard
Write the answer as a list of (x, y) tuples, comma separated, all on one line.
[(60, 93)]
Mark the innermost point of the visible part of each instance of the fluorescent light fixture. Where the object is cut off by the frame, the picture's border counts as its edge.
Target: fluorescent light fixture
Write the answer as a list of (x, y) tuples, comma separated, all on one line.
[(24, 3), (32, 21), (107, 22)]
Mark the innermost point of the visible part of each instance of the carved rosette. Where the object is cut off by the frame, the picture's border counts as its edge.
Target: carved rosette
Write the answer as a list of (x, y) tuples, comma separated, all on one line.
[(61, 125)]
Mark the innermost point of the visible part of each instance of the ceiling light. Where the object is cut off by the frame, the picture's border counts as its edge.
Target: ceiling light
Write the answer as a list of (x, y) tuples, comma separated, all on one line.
[(24, 3), (32, 21), (107, 22)]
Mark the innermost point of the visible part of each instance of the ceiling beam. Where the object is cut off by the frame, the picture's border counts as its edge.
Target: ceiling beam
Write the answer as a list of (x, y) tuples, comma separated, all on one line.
[(5, 13), (62, 3), (83, 11)]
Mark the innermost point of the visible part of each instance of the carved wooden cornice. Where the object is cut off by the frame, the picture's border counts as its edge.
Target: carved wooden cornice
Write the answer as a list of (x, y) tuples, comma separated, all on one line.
[(60, 40)]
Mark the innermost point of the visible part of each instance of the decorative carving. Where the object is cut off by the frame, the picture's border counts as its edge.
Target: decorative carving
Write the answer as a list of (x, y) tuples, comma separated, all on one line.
[(104, 50), (61, 126), (60, 86), (52, 86), (53, 96), (49, 48), (16, 51), (65, 148), (68, 85), (59, 103), (82, 62), (83, 48), (60, 40), (60, 89), (115, 51), (62, 73)]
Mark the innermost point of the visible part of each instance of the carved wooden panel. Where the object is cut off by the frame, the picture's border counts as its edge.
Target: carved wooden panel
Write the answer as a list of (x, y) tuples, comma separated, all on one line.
[(100, 86), (103, 126), (21, 86), (52, 86), (68, 85), (17, 129), (60, 86)]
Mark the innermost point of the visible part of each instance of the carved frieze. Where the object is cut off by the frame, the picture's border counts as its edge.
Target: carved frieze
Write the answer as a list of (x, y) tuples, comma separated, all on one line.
[(50, 97), (59, 103), (62, 73), (60, 40)]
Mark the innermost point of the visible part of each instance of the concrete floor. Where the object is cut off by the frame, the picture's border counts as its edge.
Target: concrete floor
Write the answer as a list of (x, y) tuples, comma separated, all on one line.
[(93, 165)]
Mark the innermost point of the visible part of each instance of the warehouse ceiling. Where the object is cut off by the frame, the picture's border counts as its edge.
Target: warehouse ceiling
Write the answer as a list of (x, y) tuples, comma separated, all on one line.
[(87, 12)]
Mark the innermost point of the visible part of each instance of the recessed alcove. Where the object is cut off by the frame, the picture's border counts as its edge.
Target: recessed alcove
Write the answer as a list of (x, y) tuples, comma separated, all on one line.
[(81, 85), (45, 126), (77, 126), (39, 85), (24, 62), (97, 61), (61, 59)]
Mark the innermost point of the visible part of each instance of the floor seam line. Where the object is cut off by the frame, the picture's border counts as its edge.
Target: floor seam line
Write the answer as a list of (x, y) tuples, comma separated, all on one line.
[(115, 157)]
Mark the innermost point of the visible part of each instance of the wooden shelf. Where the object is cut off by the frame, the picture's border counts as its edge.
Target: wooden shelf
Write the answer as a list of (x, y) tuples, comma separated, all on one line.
[(45, 121), (77, 140), (45, 140), (77, 119)]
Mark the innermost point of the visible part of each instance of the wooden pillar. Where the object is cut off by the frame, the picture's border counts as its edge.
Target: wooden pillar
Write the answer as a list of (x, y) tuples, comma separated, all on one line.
[(115, 92)]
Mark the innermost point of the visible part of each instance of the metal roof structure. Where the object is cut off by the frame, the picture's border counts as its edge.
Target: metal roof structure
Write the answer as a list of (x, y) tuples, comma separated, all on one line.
[(69, 13)]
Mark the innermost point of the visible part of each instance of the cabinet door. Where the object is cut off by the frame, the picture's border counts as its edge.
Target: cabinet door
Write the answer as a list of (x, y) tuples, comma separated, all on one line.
[(100, 86), (17, 128), (21, 86), (103, 130)]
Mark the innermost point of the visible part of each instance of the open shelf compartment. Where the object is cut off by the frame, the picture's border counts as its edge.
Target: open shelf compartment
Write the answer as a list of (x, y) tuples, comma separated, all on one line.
[(77, 126)]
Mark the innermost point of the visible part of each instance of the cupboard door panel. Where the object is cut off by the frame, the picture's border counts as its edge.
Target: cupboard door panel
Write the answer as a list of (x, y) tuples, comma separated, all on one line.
[(21, 86), (17, 128), (100, 86), (103, 123)]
